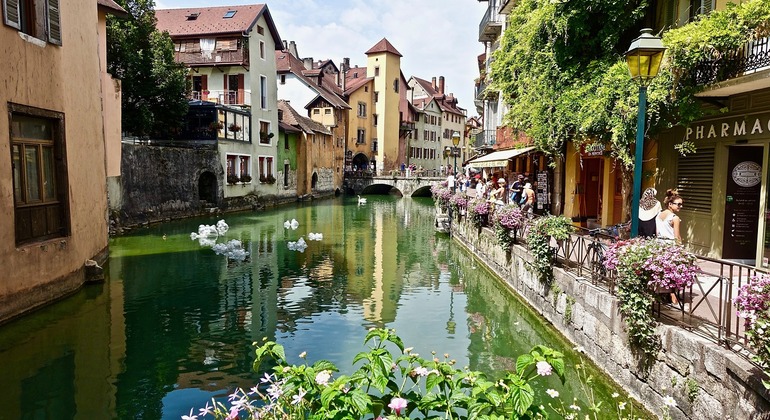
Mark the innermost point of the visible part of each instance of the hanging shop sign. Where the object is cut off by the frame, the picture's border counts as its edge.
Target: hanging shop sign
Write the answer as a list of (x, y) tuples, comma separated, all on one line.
[(592, 150), (742, 199)]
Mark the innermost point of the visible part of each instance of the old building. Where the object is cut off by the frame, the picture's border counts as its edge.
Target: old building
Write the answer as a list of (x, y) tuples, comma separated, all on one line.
[(59, 137), (230, 51)]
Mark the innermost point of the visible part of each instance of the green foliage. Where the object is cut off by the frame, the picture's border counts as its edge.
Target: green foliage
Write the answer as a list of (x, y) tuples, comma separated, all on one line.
[(539, 243), (399, 383), (568, 308), (153, 85), (692, 388)]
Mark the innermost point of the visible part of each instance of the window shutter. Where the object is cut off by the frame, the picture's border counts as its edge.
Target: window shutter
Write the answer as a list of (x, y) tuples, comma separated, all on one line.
[(670, 13), (241, 85), (695, 179), (707, 7), (54, 24), (11, 12)]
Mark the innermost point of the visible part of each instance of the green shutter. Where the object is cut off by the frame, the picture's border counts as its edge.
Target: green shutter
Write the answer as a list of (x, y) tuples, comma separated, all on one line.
[(670, 13), (695, 179), (54, 25), (11, 13)]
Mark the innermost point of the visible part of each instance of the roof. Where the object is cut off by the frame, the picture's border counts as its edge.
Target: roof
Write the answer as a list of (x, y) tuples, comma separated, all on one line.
[(498, 158), (291, 117), (426, 85), (286, 128), (355, 84), (355, 73), (212, 21), (287, 63), (383, 46), (113, 8)]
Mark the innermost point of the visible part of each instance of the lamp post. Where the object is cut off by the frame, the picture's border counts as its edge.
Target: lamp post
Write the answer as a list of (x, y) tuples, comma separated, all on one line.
[(643, 58), (455, 150)]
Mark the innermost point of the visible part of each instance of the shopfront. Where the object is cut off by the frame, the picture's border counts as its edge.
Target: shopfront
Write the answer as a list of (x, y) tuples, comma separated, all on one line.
[(724, 184), (593, 182)]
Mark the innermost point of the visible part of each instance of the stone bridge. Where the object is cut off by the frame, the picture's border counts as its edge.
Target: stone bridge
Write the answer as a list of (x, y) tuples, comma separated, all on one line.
[(411, 186)]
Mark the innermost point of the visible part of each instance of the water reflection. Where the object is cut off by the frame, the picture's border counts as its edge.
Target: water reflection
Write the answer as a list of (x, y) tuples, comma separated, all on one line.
[(175, 323)]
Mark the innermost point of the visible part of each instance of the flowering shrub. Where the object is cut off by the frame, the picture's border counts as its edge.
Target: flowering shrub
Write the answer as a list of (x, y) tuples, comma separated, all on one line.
[(539, 243), (507, 219), (645, 266), (442, 194), (388, 386), (753, 304), (478, 211), (458, 201)]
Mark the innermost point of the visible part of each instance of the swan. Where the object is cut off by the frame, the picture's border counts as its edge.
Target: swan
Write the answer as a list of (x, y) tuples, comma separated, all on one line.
[(361, 200)]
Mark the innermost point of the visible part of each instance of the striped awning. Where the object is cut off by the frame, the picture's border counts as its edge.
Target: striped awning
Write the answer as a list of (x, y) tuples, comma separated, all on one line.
[(497, 159)]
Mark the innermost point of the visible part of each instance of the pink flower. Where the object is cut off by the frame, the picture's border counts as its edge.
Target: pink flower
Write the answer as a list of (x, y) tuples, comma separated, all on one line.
[(397, 404), (543, 368)]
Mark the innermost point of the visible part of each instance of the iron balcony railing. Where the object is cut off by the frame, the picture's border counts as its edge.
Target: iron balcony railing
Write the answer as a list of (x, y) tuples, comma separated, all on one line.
[(751, 57), (491, 25), (486, 138)]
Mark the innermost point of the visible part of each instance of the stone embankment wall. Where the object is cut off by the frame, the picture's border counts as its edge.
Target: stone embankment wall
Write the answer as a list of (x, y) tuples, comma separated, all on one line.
[(161, 183), (706, 380)]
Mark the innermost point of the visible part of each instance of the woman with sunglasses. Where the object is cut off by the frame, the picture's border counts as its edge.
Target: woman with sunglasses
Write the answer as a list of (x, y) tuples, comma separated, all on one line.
[(668, 222)]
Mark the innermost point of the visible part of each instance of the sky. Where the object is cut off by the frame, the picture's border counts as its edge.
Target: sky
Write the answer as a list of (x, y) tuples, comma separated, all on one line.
[(435, 37)]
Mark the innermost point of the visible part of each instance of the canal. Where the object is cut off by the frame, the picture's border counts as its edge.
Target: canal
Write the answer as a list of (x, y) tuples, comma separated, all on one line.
[(174, 323)]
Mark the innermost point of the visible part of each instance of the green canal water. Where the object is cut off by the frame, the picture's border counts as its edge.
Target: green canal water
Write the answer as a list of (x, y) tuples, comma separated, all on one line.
[(174, 323)]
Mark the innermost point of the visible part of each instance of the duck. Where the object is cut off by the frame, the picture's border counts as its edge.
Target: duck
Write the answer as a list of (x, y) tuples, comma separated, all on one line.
[(361, 200)]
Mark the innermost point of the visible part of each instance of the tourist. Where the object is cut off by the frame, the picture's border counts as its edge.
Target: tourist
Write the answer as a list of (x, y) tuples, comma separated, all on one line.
[(516, 190), (667, 222), (498, 195), (450, 181), (649, 208), (528, 197), (481, 189)]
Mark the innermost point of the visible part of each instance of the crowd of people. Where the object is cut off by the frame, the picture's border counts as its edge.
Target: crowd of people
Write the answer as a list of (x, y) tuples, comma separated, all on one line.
[(496, 189)]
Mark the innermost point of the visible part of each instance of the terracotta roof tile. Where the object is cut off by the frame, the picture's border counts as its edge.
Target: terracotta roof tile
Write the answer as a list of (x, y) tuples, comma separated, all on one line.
[(355, 73), (383, 46), (356, 84), (287, 63), (212, 21), (292, 117)]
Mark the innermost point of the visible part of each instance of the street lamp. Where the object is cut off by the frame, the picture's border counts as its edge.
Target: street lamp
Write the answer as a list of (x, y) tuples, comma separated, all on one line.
[(455, 150), (643, 58)]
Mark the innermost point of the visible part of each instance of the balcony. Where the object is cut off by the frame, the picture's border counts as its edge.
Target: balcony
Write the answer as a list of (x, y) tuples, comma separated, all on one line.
[(224, 97), (238, 57), (485, 139), (739, 71), (491, 24), (406, 126)]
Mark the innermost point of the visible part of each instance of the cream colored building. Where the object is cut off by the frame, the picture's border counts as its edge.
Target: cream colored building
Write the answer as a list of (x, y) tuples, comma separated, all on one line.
[(58, 138), (384, 65)]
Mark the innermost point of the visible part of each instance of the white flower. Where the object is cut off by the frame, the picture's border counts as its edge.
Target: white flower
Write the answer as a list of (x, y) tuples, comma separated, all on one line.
[(574, 407), (552, 393), (303, 355), (322, 378), (543, 368), (190, 416), (580, 349), (298, 398), (622, 406), (420, 371), (615, 395), (669, 401)]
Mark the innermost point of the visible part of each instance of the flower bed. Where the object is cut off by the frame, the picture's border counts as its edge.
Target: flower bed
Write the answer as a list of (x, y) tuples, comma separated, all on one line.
[(753, 304)]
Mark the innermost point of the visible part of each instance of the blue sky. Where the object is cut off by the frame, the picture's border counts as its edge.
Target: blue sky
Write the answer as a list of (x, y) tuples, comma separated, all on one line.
[(435, 37)]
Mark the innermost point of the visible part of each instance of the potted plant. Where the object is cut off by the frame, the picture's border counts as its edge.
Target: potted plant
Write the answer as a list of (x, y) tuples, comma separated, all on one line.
[(234, 127), (246, 178), (270, 179), (215, 126), (232, 179), (262, 179), (265, 136)]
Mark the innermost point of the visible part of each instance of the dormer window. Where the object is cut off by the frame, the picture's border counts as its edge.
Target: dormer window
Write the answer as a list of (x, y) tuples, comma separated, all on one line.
[(229, 14), (193, 16)]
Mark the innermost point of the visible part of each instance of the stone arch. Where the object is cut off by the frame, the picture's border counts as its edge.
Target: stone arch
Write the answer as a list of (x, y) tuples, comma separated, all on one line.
[(207, 187), (361, 161), (314, 181)]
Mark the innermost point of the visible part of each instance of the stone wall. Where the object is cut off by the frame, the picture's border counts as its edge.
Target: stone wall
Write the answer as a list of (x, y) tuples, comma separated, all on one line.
[(161, 183), (706, 380)]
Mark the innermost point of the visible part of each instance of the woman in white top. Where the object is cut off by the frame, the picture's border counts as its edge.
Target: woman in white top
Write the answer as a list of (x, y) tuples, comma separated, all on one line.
[(667, 223)]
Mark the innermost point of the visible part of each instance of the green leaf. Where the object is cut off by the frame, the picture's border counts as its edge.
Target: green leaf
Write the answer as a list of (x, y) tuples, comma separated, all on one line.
[(522, 398), (522, 362)]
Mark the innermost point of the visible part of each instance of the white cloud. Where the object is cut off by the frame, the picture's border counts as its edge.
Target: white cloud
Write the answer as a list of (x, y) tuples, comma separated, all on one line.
[(435, 37)]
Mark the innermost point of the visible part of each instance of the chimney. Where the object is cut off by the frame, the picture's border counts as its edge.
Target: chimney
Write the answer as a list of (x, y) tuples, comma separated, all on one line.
[(345, 64), (441, 85), (433, 83), (308, 62), (293, 49), (285, 45)]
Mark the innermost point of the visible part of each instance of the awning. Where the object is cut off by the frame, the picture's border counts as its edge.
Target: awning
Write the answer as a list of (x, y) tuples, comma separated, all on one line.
[(498, 159)]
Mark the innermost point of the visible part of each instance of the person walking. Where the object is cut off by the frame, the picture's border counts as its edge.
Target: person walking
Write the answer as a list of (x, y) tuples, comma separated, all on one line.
[(516, 189), (528, 196), (649, 208)]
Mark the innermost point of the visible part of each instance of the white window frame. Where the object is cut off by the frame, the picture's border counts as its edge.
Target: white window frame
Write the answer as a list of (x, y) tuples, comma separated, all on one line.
[(263, 92)]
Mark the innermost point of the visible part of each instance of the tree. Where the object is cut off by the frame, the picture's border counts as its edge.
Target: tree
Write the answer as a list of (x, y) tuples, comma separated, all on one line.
[(154, 86)]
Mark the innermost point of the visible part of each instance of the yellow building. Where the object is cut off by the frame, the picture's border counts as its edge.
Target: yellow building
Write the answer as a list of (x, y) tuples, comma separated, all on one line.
[(384, 66), (58, 138), (359, 92)]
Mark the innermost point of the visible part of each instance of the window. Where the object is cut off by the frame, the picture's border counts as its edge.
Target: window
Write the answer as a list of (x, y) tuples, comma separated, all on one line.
[(36, 18), (376, 96), (262, 49), (245, 169), (286, 141), (374, 118), (39, 174), (229, 14), (260, 30), (264, 132), (316, 111), (361, 136), (265, 167), (395, 85), (361, 109), (695, 178), (377, 71), (327, 111), (700, 7), (231, 164), (263, 92), (283, 79), (269, 164)]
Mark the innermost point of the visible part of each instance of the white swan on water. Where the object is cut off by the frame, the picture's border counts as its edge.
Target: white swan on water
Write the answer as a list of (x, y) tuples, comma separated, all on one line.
[(361, 200)]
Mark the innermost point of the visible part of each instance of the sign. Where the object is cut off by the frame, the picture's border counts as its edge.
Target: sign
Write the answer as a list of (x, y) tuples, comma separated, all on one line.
[(740, 127), (542, 192), (593, 149), (742, 199)]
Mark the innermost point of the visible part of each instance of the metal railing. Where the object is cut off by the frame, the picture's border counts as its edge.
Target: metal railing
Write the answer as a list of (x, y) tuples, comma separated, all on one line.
[(751, 57), (486, 138), (705, 308), (490, 23)]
